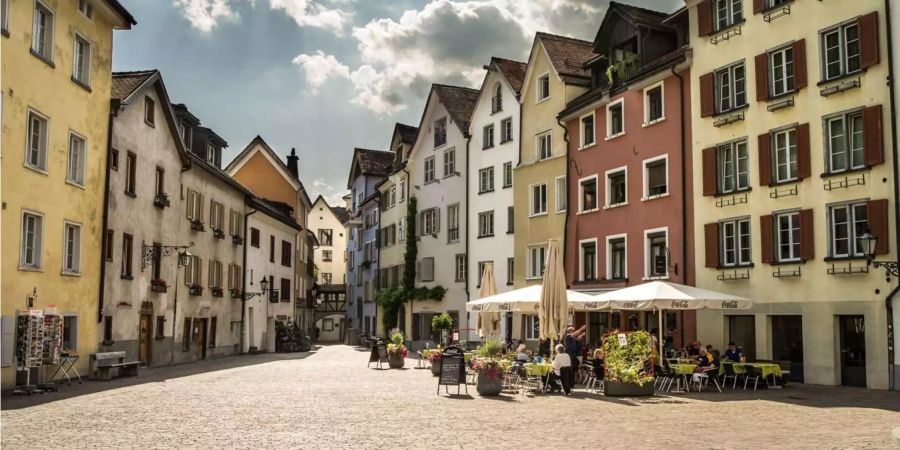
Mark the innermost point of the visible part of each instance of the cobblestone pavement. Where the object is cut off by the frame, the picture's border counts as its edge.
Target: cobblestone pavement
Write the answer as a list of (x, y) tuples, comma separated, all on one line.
[(329, 399)]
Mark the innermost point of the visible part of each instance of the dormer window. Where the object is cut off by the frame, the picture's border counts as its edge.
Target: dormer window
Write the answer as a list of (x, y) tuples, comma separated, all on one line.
[(210, 154), (149, 111), (497, 100), (186, 134), (440, 132)]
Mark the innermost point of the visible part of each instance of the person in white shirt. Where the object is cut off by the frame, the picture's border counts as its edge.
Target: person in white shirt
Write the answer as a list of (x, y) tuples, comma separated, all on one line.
[(562, 371)]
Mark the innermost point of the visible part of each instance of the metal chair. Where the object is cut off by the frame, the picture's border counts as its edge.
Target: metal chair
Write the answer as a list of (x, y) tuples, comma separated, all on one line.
[(752, 373), (730, 373)]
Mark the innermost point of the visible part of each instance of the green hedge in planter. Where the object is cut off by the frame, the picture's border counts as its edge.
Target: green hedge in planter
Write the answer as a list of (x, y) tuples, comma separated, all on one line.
[(628, 363)]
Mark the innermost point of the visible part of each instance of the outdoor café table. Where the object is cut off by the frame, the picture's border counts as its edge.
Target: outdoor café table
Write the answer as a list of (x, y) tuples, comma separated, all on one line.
[(680, 360), (682, 370), (539, 369), (766, 369)]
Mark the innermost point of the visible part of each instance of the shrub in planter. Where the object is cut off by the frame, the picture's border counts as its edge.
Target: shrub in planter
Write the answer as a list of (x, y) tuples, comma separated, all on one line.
[(489, 368), (442, 323), (628, 367), (396, 350)]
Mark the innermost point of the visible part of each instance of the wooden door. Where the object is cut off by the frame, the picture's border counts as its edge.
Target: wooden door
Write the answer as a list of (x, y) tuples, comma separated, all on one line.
[(200, 337), (145, 337)]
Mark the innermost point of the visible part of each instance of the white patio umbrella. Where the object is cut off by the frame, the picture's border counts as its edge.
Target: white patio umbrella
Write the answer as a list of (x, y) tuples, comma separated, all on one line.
[(488, 320), (664, 295), (527, 300), (553, 313)]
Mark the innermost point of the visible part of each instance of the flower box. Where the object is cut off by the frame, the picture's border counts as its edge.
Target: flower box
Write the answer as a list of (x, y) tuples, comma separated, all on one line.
[(158, 285), (216, 291), (218, 234), (195, 289), (237, 240), (161, 201), (235, 293), (197, 225)]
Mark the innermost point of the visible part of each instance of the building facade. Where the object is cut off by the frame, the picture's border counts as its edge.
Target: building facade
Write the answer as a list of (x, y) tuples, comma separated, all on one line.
[(789, 102), (55, 55), (327, 223)]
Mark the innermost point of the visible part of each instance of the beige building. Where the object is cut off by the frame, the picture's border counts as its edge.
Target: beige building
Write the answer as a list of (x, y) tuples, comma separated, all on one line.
[(789, 102), (330, 256)]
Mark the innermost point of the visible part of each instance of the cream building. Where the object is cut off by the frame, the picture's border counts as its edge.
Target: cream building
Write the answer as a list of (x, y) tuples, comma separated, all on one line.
[(327, 223), (789, 106)]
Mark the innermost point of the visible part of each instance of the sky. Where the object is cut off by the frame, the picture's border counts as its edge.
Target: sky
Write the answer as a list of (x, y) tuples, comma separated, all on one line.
[(326, 76)]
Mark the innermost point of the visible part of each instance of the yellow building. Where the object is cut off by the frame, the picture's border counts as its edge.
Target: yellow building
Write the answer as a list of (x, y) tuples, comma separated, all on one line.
[(789, 105), (555, 75), (56, 87)]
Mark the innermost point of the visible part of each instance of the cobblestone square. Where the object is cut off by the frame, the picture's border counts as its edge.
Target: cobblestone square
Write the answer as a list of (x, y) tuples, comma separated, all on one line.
[(330, 399)]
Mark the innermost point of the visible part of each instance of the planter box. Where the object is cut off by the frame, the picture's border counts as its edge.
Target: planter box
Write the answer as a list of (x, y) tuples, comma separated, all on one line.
[(216, 292), (160, 288), (487, 386), (617, 389), (161, 201), (237, 240), (195, 290), (219, 234), (197, 225), (236, 293), (395, 361)]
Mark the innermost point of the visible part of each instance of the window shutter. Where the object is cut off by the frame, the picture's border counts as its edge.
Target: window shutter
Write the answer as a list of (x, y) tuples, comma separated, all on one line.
[(707, 95), (709, 171), (763, 143), (704, 18), (419, 270), (804, 167), (799, 48), (759, 6), (190, 203), (762, 77), (868, 40), (877, 211), (807, 243), (766, 233), (872, 136), (711, 231), (437, 220)]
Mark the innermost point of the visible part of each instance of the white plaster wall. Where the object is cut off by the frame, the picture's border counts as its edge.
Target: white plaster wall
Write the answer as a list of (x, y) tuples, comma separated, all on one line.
[(321, 216)]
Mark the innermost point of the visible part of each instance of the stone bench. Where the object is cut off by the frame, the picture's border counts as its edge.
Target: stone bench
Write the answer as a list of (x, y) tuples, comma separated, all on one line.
[(103, 364)]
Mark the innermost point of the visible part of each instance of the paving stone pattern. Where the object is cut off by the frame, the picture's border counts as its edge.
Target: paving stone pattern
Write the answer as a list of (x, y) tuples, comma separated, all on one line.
[(329, 399)]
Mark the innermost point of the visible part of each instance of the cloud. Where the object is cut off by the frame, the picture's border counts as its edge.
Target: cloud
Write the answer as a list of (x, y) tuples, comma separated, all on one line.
[(308, 13), (204, 15), (320, 183), (320, 68)]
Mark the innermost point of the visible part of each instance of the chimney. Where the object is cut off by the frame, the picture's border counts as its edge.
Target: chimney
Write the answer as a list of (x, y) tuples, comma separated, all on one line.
[(292, 161)]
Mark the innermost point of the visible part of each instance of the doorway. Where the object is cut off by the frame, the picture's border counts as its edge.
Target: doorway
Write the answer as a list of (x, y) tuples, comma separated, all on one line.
[(853, 350), (145, 338), (200, 337), (787, 344), (251, 335), (742, 331), (509, 326)]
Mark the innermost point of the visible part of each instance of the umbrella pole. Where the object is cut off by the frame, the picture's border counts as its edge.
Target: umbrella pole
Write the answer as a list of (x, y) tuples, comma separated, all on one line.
[(659, 333)]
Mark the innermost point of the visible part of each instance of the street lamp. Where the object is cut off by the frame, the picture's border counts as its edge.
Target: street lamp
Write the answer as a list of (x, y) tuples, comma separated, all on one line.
[(264, 284), (867, 241)]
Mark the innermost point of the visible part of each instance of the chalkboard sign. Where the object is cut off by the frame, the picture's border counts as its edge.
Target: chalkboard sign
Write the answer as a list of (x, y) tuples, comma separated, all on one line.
[(453, 369), (379, 354)]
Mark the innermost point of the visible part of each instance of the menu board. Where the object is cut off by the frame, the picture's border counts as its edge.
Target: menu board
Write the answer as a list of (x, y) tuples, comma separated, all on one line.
[(379, 354), (453, 370)]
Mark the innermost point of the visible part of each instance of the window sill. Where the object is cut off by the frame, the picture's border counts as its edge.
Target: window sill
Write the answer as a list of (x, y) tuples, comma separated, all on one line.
[(149, 123), (609, 138), (432, 182), (792, 262), (542, 100), (506, 187), (653, 122), (785, 182), (654, 278), (728, 27), (587, 146), (450, 175), (487, 148), (126, 277), (561, 211), (588, 211), (537, 215), (30, 269), (131, 194), (776, 97), (617, 205), (42, 58), (74, 184), (734, 192), (485, 236), (4, 32), (654, 197), (719, 114), (845, 172), (841, 77), (844, 258), (82, 85), (510, 232), (485, 192), (70, 274), (505, 141), (438, 146), (35, 169)]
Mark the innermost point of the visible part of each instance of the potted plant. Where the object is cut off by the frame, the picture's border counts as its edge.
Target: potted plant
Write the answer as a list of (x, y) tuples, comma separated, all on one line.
[(197, 225), (396, 350), (196, 289), (489, 368), (161, 200), (216, 291), (237, 239), (442, 323), (235, 293), (218, 233), (158, 285), (434, 357), (629, 371)]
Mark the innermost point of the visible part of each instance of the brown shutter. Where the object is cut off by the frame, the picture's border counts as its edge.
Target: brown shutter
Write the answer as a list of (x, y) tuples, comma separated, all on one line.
[(707, 95), (709, 171), (807, 243), (868, 40), (711, 231), (804, 168), (766, 233), (762, 77), (704, 18), (799, 48), (872, 136), (877, 211), (759, 6), (763, 142)]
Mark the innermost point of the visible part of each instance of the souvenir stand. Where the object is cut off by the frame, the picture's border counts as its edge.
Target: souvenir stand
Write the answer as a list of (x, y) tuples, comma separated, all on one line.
[(29, 348)]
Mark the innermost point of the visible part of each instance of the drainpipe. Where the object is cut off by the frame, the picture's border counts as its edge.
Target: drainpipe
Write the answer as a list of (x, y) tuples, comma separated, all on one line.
[(684, 224), (113, 111), (468, 296), (411, 302), (888, 306), (244, 283), (568, 207)]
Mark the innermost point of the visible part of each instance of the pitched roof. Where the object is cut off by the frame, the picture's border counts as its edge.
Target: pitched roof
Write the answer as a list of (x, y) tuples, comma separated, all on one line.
[(276, 210), (568, 56), (125, 84), (374, 162), (341, 213), (408, 133), (513, 71), (122, 11), (459, 102), (633, 14)]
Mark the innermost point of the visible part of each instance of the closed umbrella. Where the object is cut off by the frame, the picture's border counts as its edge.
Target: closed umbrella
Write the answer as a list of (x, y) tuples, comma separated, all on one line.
[(488, 321), (554, 305)]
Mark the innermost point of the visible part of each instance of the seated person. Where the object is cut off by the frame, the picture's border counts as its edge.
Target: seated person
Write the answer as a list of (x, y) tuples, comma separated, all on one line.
[(522, 354), (695, 349), (733, 353), (706, 358), (597, 363), (562, 371)]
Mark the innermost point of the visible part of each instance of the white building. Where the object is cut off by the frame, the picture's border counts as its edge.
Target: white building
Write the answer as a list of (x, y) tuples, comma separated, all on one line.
[(271, 233), (437, 165), (493, 152), (330, 256)]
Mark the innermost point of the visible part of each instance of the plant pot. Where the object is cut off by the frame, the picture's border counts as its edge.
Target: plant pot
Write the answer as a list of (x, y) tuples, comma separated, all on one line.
[(436, 367), (618, 389), (395, 361), (487, 386)]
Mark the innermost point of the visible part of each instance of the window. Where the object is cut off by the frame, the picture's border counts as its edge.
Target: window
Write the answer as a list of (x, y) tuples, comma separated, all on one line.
[(506, 130), (731, 87), (656, 253), (510, 271), (537, 257), (538, 199), (844, 143), (254, 237), (70, 333), (130, 174), (36, 153), (326, 255), (192, 271), (728, 13), (85, 8), (532, 327), (510, 220), (160, 182), (401, 228), (497, 99), (108, 249), (787, 236), (847, 223), (486, 180), (615, 118), (213, 325), (425, 270), (42, 33), (211, 154), (587, 130), (461, 262), (840, 51), (285, 290), (127, 244), (781, 76), (75, 170), (481, 266), (656, 177), (285, 253), (616, 266), (72, 248), (32, 241), (402, 189), (326, 278), (429, 169), (735, 245), (588, 260), (325, 237), (785, 145), (587, 194), (616, 187), (4, 15), (160, 326), (215, 274), (216, 215), (543, 146), (543, 87), (429, 221), (149, 111), (234, 276), (114, 160), (449, 162), (235, 223), (488, 137), (81, 66), (453, 223), (653, 104), (393, 197), (733, 167), (440, 132), (186, 134), (562, 201), (507, 174), (485, 224)]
